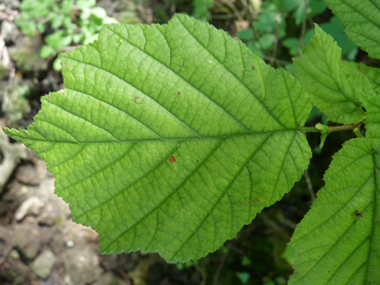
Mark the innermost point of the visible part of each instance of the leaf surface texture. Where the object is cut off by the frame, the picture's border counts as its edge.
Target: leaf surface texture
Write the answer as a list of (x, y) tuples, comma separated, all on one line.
[(362, 21), (335, 87), (338, 241), (372, 101), (169, 138)]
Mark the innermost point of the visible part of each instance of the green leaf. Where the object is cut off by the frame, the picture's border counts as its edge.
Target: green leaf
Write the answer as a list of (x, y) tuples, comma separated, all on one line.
[(58, 39), (57, 65), (246, 34), (292, 45), (201, 9), (372, 123), (373, 75), (298, 14), (338, 241), (27, 26), (266, 22), (85, 4), (289, 5), (267, 41), (40, 27), (57, 21), (316, 7), (99, 12), (372, 103), (67, 6), (362, 21), (169, 138), (47, 51), (336, 29), (335, 87)]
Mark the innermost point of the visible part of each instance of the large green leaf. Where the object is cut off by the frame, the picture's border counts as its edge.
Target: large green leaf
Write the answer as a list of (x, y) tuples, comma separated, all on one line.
[(362, 21), (336, 87), (338, 241), (169, 138)]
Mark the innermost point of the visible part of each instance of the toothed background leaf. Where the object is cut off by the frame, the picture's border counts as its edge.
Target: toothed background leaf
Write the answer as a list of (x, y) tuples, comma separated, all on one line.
[(335, 87), (362, 21), (372, 101), (338, 241), (169, 138)]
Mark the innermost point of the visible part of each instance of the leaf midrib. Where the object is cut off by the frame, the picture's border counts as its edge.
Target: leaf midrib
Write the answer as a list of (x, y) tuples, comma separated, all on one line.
[(24, 138)]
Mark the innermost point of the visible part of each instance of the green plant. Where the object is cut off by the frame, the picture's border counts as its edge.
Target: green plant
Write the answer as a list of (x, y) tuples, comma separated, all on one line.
[(77, 22), (200, 9), (169, 138), (269, 33)]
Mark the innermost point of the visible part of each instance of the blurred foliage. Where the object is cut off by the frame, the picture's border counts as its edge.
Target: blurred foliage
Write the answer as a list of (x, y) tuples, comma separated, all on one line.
[(201, 9), (26, 55), (15, 104), (64, 22), (4, 71), (282, 28)]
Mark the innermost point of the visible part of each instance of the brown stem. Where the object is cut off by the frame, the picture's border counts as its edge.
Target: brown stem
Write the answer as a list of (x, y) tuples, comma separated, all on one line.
[(344, 127)]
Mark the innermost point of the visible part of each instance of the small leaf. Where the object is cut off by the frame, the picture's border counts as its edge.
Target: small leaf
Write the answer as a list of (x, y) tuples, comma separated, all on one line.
[(335, 87), (47, 51), (169, 138), (323, 139), (372, 101), (362, 21), (67, 6), (372, 123), (323, 128), (336, 29), (373, 75), (338, 241), (98, 12), (58, 39), (292, 45)]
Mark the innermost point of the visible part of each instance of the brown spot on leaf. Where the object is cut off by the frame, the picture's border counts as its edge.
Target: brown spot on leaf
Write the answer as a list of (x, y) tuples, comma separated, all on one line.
[(358, 214), (253, 67), (138, 100), (178, 93), (172, 159), (197, 160)]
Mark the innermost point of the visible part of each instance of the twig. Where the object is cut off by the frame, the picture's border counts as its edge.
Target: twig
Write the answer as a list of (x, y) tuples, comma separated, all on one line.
[(220, 266), (303, 30), (309, 185), (333, 128)]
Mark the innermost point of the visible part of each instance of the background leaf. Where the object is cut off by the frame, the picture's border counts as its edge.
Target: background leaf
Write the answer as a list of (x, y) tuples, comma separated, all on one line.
[(169, 138), (362, 21), (338, 241), (372, 103), (335, 87)]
